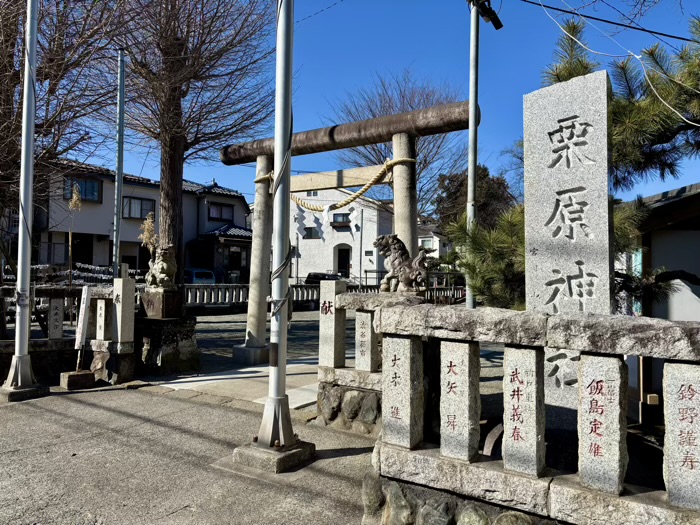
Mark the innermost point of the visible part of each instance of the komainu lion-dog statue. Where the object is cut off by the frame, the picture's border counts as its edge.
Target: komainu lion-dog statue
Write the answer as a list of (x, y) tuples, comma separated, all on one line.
[(404, 274)]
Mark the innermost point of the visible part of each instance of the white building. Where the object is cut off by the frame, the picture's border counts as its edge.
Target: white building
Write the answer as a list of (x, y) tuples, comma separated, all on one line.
[(340, 241), (214, 224)]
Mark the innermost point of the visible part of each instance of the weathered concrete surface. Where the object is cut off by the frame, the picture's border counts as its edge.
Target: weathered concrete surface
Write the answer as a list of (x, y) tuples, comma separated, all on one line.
[(374, 301), (626, 335), (602, 334), (487, 481), (421, 123), (572, 503), (456, 322), (350, 377), (130, 456)]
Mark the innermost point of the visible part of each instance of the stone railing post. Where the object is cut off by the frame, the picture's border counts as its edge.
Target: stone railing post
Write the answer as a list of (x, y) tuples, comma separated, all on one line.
[(367, 357), (523, 410), (55, 320), (602, 423), (123, 305), (331, 325), (460, 401), (406, 192), (260, 254), (402, 390), (682, 418)]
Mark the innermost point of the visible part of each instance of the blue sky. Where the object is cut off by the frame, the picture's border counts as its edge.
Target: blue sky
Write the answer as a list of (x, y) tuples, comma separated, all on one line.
[(340, 49)]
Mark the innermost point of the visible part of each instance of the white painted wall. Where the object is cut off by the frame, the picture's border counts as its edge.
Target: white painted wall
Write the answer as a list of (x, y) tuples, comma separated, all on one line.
[(678, 250), (318, 255)]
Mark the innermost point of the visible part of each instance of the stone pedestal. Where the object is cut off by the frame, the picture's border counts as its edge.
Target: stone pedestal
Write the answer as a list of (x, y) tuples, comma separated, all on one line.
[(12, 395), (251, 355), (166, 346), (162, 303)]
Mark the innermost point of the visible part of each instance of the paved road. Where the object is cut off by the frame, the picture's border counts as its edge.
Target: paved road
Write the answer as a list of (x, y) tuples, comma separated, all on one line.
[(147, 457)]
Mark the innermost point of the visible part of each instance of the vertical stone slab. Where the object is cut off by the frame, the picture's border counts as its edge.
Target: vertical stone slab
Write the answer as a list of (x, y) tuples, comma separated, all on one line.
[(460, 402), (523, 410), (83, 318), (56, 318), (123, 299), (682, 441), (402, 391), (568, 260), (602, 423), (367, 356), (331, 325), (100, 320)]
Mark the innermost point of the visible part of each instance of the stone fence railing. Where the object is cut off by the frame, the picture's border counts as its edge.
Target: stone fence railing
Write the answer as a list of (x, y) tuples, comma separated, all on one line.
[(412, 404), (597, 493)]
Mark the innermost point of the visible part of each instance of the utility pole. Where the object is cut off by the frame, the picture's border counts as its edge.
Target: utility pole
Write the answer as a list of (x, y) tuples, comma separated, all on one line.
[(20, 383), (276, 427), (479, 8), (119, 176)]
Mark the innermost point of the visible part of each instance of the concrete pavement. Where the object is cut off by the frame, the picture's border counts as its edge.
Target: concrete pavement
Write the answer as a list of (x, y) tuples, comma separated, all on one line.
[(160, 456)]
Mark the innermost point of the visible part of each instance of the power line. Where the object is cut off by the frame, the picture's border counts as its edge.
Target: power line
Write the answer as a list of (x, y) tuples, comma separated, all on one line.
[(318, 12), (611, 22)]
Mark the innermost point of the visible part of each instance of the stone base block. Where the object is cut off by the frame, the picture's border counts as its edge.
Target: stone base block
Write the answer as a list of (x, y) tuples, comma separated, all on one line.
[(12, 395), (77, 380), (269, 460), (251, 356), (162, 304), (166, 346)]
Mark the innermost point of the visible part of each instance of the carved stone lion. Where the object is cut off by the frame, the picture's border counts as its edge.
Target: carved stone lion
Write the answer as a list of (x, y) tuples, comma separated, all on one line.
[(403, 274), (163, 269)]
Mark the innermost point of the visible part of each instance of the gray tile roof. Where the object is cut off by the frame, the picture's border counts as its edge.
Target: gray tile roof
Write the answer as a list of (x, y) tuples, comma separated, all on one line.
[(231, 230)]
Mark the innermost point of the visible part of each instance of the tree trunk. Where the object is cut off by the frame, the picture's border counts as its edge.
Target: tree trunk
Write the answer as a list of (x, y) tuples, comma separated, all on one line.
[(171, 173)]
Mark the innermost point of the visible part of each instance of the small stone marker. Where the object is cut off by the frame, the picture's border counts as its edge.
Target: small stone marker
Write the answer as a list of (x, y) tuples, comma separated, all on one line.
[(460, 402), (56, 318), (568, 259), (100, 324), (602, 423), (402, 391), (367, 356), (523, 411), (682, 441), (123, 300), (331, 325), (84, 313)]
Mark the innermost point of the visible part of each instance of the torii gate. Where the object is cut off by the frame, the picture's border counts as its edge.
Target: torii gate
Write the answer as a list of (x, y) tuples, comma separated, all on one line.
[(401, 129)]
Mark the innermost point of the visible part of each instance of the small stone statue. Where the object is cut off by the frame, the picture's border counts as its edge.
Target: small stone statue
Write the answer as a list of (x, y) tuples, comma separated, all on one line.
[(403, 274), (163, 269)]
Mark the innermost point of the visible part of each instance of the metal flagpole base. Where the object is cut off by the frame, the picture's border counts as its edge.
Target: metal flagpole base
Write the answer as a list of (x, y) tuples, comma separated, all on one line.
[(276, 449), (20, 384)]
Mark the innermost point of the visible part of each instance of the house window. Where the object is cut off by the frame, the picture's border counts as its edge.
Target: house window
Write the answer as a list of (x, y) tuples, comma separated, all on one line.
[(444, 245), (220, 212), (426, 243), (90, 189), (313, 193), (341, 217), (369, 253), (311, 233), (135, 208)]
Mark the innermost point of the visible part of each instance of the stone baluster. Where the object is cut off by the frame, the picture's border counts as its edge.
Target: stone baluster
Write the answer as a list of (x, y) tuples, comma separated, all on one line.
[(402, 390), (331, 351), (523, 410), (367, 356), (460, 401), (123, 307), (602, 423)]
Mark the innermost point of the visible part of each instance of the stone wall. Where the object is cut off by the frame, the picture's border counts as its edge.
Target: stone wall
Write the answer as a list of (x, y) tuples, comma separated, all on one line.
[(347, 408), (166, 346)]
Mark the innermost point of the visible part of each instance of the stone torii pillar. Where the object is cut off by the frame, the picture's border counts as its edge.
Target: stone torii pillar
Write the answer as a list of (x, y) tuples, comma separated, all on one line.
[(406, 192), (255, 351)]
